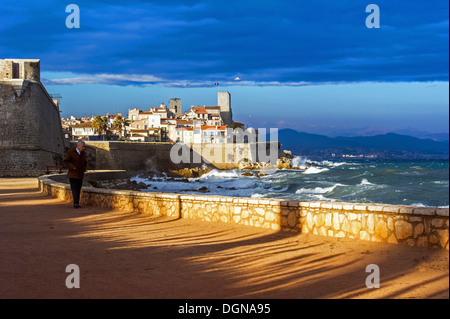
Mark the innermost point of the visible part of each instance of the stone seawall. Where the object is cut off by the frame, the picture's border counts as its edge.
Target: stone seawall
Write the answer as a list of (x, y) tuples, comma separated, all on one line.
[(137, 156), (409, 225)]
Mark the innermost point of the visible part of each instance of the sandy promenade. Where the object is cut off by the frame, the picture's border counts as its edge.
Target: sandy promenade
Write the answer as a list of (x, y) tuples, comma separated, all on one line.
[(126, 255)]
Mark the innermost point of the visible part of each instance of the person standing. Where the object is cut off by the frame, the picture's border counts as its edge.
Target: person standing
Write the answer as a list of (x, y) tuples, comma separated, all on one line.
[(75, 161)]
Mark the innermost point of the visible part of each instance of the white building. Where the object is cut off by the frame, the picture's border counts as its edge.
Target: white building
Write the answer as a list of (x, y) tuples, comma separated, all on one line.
[(82, 131)]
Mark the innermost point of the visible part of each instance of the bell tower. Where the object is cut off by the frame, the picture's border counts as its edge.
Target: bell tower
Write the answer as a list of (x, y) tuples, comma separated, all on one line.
[(224, 101)]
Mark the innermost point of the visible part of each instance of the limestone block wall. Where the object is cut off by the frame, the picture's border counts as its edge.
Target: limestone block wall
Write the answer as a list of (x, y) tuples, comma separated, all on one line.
[(408, 225)]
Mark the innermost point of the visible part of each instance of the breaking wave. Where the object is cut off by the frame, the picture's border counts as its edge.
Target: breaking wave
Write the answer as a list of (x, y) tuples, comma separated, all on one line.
[(318, 190)]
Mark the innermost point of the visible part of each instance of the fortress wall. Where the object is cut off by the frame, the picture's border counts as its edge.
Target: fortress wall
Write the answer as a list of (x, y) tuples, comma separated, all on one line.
[(135, 156), (130, 156), (406, 225), (31, 135)]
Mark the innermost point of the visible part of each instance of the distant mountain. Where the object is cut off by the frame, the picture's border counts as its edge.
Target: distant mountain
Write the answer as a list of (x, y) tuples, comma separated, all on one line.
[(289, 137), (439, 137), (372, 131), (390, 142)]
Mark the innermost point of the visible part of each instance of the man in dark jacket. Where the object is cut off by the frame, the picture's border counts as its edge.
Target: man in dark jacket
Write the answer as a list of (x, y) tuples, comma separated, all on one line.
[(75, 161)]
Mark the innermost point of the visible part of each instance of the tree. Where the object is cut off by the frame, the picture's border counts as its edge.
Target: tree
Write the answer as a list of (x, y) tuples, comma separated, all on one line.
[(120, 122), (99, 124)]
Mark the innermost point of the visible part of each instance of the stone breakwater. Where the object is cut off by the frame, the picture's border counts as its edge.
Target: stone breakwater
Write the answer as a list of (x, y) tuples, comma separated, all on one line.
[(408, 225)]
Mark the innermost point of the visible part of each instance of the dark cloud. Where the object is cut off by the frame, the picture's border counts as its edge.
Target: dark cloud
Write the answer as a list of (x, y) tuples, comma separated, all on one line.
[(261, 41)]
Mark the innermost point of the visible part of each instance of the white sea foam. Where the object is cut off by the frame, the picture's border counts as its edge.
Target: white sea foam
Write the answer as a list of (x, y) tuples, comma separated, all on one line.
[(317, 190), (256, 195), (419, 205), (299, 161), (316, 170), (319, 197), (423, 205), (366, 182), (302, 162), (333, 164), (217, 174)]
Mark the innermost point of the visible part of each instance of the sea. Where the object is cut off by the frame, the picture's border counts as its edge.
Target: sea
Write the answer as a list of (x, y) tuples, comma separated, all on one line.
[(398, 182)]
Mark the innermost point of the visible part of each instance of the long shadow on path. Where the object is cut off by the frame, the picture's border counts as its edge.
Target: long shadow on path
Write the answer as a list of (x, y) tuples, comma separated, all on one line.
[(127, 255)]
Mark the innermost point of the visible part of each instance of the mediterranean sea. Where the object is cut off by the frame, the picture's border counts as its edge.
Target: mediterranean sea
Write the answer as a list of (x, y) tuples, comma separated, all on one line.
[(397, 182)]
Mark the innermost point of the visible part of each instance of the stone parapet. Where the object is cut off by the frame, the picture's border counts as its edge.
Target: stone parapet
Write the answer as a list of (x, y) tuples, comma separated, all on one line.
[(396, 224)]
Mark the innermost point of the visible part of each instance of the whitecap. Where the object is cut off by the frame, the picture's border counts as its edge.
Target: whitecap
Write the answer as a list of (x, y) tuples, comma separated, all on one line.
[(299, 161), (333, 164), (315, 170), (366, 182), (218, 174), (317, 190)]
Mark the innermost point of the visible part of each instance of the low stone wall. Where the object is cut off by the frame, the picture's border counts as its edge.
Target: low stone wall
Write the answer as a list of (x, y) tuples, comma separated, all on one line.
[(414, 226)]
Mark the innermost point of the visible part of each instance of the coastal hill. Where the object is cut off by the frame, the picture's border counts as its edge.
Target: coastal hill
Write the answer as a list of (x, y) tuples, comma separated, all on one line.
[(390, 145)]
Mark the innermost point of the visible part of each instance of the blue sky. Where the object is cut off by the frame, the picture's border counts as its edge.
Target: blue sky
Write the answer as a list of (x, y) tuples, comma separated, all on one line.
[(310, 65)]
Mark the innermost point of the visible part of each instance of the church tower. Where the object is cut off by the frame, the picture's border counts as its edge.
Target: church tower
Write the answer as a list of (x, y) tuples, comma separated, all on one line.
[(224, 101), (175, 106)]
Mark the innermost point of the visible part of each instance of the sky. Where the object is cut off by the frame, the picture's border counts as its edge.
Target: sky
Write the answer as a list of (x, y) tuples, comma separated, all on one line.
[(313, 66)]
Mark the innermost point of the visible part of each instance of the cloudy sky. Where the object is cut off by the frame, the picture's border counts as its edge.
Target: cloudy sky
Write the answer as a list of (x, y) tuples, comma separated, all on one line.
[(310, 65)]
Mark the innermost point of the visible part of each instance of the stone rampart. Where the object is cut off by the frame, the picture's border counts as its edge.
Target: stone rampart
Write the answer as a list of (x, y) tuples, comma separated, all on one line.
[(31, 136), (137, 156), (409, 225)]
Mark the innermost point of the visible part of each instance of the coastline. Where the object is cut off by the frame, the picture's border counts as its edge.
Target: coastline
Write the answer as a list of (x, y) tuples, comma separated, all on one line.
[(414, 183)]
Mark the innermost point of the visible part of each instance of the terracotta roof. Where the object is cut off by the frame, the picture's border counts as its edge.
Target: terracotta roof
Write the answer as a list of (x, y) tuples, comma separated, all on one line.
[(210, 127), (199, 110)]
